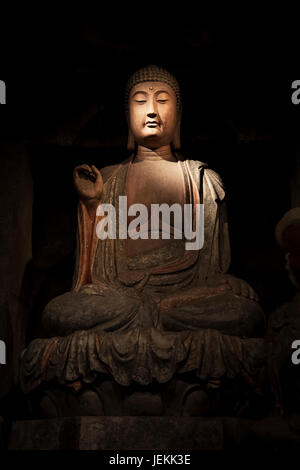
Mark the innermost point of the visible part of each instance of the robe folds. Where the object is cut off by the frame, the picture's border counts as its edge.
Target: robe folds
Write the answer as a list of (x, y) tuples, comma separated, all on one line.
[(152, 316)]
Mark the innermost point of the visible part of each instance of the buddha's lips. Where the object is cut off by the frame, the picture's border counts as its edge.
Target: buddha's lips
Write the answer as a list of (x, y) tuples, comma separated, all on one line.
[(152, 123)]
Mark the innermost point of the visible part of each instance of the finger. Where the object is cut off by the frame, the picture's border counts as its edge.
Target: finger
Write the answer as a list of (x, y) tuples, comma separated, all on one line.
[(99, 179), (96, 171), (81, 168), (96, 174)]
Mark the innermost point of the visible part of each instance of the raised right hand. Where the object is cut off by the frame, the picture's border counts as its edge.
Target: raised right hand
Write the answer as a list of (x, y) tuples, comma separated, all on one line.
[(88, 183)]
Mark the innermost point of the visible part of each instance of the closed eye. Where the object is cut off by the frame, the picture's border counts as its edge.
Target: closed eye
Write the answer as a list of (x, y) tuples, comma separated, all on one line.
[(140, 101), (162, 101)]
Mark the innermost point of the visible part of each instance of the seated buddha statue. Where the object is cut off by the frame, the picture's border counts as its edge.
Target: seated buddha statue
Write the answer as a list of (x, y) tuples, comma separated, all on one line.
[(146, 317)]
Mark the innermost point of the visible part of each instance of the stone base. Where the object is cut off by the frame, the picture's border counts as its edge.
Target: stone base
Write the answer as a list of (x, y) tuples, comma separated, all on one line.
[(156, 433), (124, 433)]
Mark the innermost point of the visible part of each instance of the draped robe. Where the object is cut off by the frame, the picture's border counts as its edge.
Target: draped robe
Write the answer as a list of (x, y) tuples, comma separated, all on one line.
[(106, 261), (148, 317)]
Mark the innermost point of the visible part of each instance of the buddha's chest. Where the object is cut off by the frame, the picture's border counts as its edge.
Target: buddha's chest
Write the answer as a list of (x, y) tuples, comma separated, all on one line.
[(155, 182)]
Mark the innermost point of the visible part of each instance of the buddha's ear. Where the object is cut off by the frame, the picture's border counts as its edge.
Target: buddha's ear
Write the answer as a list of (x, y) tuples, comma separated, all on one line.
[(176, 144)]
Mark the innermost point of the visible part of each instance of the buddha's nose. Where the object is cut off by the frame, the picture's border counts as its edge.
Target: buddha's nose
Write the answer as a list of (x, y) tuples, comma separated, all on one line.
[(151, 109)]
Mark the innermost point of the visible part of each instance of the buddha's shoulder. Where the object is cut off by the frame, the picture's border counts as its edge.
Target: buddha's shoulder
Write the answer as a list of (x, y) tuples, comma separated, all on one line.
[(212, 178), (198, 165), (108, 171)]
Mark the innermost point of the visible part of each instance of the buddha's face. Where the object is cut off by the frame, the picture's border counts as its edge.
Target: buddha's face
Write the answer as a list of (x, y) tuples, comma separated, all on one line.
[(153, 115)]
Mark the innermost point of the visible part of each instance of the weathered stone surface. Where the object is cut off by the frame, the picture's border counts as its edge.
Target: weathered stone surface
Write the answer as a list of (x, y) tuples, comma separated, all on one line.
[(146, 355), (156, 433), (100, 433)]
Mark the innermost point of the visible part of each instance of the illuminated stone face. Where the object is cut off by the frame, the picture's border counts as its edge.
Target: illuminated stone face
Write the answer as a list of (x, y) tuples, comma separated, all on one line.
[(153, 114)]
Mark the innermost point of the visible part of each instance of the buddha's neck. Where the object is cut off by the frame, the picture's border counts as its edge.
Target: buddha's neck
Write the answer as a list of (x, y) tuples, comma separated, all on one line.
[(161, 153)]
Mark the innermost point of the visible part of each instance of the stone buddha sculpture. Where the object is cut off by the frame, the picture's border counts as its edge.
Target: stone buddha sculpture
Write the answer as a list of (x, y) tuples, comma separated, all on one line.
[(149, 326)]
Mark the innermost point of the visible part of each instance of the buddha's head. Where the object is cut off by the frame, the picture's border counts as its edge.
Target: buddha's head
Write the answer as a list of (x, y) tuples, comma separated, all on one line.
[(153, 109)]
